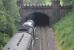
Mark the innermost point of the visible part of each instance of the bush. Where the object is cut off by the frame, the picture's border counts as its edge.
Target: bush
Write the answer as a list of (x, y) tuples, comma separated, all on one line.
[(3, 39), (9, 20), (12, 10)]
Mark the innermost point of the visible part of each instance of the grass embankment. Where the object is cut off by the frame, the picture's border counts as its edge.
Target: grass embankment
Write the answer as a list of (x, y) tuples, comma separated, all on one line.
[(64, 30)]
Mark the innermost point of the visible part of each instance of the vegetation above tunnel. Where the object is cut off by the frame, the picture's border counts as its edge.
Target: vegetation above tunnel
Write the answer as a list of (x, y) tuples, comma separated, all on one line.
[(47, 2), (66, 2), (38, 2)]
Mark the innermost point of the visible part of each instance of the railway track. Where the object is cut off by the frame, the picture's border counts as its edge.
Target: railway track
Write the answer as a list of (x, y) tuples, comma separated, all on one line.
[(45, 39)]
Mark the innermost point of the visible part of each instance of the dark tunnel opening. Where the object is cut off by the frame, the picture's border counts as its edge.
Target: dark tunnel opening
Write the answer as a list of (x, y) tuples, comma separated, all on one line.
[(40, 19)]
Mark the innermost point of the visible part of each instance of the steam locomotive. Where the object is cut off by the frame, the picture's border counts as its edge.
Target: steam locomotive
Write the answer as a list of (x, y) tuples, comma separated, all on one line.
[(22, 40)]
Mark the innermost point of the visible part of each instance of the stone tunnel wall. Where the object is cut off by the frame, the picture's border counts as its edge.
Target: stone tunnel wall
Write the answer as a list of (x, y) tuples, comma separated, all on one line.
[(47, 10), (26, 10), (29, 10), (55, 11)]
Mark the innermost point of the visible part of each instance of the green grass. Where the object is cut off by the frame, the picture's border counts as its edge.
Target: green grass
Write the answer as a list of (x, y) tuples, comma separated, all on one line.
[(64, 30)]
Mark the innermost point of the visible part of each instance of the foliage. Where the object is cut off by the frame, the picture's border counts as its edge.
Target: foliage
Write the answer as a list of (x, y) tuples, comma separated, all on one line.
[(12, 10), (3, 39), (64, 30), (9, 20), (66, 2), (46, 2)]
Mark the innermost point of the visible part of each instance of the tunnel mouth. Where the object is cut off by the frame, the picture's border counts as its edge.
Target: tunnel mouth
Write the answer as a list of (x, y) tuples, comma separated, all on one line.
[(40, 19)]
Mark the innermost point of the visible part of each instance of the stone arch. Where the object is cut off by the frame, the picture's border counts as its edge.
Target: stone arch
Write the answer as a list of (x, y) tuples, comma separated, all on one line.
[(40, 19)]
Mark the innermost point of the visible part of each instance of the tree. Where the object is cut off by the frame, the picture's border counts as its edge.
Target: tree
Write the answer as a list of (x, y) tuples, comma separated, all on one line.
[(9, 20), (12, 10)]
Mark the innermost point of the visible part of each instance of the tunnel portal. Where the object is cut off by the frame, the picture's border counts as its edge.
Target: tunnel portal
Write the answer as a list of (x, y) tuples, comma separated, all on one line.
[(40, 19)]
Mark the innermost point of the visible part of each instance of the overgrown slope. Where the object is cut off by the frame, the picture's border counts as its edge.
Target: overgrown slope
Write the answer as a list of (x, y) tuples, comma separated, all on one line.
[(64, 30)]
